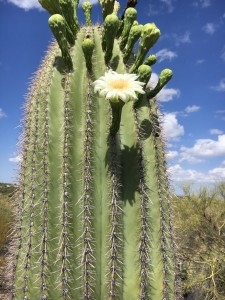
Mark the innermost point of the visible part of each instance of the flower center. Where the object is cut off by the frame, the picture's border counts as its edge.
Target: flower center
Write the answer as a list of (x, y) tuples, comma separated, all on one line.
[(119, 84)]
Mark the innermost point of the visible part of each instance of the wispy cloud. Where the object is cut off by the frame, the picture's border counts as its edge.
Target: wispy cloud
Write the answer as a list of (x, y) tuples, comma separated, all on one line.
[(164, 6), (26, 4), (152, 11), (15, 158), (169, 5), (209, 28), (2, 113), (92, 1), (191, 109), (215, 131), (171, 127), (220, 87), (34, 4), (182, 39), (202, 3), (171, 154), (200, 61), (165, 54)]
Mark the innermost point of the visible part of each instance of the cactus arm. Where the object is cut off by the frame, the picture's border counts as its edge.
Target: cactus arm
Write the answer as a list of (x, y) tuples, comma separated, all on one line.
[(28, 276), (55, 156), (102, 182), (167, 243), (148, 161), (129, 181), (74, 126)]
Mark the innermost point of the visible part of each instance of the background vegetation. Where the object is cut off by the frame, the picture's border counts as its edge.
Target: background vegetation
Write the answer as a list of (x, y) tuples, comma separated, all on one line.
[(199, 219), (200, 230)]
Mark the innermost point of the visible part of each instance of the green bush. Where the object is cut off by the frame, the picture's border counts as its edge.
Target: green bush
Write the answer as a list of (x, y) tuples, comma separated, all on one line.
[(200, 228)]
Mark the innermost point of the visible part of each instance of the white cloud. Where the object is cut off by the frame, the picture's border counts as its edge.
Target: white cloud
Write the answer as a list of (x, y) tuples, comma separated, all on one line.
[(191, 109), (15, 158), (209, 28), (165, 94), (152, 10), (180, 174), (216, 131), (26, 4), (32, 4), (92, 1), (2, 113), (172, 129), (165, 54), (169, 4), (200, 61), (202, 3), (220, 87), (203, 148), (205, 3), (171, 154), (182, 39)]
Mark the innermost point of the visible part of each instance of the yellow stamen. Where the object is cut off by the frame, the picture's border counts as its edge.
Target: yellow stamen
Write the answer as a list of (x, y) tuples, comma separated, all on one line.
[(119, 84)]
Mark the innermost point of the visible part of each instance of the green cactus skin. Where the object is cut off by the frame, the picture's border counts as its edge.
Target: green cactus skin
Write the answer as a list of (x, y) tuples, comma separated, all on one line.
[(94, 201)]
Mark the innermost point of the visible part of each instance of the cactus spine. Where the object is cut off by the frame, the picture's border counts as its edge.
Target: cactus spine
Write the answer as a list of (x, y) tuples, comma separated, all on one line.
[(94, 201)]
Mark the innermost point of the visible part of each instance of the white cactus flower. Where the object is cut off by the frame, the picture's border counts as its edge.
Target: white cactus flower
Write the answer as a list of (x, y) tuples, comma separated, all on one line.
[(116, 87)]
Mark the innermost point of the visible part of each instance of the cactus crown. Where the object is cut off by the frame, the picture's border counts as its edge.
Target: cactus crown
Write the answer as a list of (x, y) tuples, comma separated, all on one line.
[(94, 203)]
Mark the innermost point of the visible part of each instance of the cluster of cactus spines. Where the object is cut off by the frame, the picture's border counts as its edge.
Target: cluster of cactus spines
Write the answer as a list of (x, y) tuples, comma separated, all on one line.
[(94, 209)]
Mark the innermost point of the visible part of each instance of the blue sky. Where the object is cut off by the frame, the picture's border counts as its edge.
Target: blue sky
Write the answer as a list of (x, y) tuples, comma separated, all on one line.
[(192, 44)]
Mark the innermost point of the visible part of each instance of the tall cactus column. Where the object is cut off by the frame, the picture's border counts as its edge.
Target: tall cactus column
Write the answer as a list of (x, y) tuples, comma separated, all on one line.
[(94, 202)]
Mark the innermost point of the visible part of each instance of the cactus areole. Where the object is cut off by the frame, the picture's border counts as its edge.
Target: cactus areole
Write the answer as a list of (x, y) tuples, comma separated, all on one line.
[(94, 204)]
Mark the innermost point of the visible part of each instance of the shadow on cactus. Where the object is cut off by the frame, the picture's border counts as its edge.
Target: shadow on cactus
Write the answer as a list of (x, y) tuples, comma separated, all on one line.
[(94, 208)]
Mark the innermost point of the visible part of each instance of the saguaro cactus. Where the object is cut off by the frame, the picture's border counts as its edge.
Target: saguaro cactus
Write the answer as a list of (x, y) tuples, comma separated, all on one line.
[(94, 203)]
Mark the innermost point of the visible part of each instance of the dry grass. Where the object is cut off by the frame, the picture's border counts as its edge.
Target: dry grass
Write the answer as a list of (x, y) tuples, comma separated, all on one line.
[(6, 219)]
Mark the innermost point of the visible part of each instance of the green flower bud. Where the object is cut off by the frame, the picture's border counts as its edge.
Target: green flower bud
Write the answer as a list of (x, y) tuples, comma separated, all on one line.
[(111, 25), (87, 8), (88, 48), (129, 18), (134, 35), (58, 26), (164, 77), (145, 73), (151, 60)]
